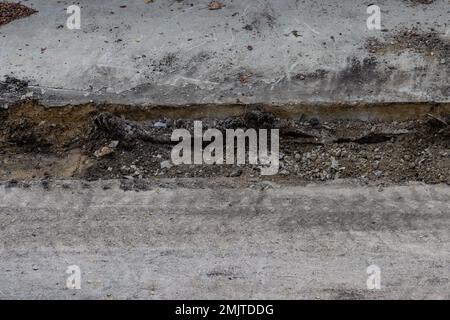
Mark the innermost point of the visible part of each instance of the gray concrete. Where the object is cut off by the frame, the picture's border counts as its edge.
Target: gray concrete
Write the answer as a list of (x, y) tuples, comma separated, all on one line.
[(172, 53), (215, 241)]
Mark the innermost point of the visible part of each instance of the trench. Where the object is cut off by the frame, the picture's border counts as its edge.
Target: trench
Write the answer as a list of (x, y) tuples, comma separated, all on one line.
[(374, 143)]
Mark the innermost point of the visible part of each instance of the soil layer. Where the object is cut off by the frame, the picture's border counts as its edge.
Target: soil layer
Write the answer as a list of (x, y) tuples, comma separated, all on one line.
[(100, 142)]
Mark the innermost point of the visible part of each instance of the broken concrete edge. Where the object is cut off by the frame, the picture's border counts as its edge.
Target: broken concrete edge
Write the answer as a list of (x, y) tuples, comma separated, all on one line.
[(326, 111), (186, 97), (149, 184)]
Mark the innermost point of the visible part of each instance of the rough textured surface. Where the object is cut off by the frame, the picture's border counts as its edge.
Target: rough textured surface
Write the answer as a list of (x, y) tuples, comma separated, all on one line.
[(12, 11), (218, 241), (85, 142), (179, 52), (216, 237)]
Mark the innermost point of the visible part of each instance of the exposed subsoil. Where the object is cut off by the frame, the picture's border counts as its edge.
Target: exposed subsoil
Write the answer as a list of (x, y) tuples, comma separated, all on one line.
[(13, 11), (87, 142)]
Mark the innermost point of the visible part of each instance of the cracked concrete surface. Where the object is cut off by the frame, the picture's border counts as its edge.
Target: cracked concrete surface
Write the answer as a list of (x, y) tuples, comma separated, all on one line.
[(179, 53)]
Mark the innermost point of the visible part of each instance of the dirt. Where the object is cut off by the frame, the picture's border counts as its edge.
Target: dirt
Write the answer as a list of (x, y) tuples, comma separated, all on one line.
[(430, 44), (418, 2), (13, 11), (257, 20), (80, 142), (316, 75)]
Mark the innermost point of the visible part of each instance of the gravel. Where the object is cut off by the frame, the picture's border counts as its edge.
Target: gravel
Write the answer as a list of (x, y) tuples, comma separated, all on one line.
[(12, 11)]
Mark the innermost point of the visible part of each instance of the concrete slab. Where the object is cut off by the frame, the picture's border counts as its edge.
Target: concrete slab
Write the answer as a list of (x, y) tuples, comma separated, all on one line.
[(255, 51), (205, 241)]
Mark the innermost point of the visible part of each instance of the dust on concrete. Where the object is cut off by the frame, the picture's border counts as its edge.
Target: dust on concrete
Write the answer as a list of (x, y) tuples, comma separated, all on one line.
[(362, 75), (10, 88), (257, 20), (418, 2), (318, 74), (430, 44)]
